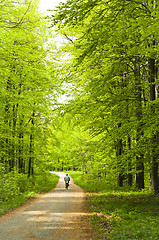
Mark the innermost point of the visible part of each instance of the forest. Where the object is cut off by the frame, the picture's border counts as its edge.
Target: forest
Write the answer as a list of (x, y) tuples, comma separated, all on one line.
[(86, 103), (111, 66), (29, 88)]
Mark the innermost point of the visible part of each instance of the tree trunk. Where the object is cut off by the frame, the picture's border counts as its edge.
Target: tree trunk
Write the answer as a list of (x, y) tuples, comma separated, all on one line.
[(31, 151), (119, 152), (139, 132), (140, 175), (129, 164), (13, 157), (154, 155), (20, 153)]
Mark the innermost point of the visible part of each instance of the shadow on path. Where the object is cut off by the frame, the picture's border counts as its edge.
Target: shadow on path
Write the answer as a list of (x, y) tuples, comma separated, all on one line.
[(59, 214)]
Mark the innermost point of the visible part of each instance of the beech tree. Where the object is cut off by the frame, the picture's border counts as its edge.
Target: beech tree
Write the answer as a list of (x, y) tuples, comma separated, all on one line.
[(115, 63), (27, 86)]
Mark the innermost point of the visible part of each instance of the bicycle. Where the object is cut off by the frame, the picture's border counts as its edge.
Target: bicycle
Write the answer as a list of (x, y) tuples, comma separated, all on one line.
[(67, 184)]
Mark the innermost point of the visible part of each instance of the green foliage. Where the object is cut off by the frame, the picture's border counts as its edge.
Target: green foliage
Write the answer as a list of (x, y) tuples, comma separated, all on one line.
[(112, 66), (92, 183), (15, 189), (28, 86), (8, 187), (126, 215), (121, 214)]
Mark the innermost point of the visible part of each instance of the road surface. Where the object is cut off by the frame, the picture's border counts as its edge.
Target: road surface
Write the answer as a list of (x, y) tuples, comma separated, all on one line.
[(59, 214)]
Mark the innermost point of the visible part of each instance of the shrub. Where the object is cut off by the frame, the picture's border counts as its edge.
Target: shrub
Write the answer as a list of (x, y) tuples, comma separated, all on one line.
[(8, 187)]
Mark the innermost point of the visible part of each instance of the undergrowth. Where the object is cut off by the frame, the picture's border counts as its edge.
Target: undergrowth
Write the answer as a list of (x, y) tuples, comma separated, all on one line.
[(16, 189), (122, 215)]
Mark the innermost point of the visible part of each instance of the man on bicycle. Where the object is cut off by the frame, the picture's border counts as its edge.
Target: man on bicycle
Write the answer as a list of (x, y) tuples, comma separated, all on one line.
[(66, 179)]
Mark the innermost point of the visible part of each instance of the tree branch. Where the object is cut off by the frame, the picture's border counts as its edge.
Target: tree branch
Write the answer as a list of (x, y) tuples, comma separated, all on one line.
[(69, 39), (141, 3)]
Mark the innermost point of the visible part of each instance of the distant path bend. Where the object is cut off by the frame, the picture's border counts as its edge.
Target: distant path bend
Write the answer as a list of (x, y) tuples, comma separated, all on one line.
[(59, 214)]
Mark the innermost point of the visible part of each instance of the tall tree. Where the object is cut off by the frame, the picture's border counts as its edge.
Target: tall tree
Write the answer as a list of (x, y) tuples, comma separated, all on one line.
[(112, 39), (28, 85)]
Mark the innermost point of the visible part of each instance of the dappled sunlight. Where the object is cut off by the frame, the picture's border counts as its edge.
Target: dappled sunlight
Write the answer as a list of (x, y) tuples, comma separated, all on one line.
[(65, 194), (63, 214), (42, 217), (35, 212), (64, 228), (54, 215), (59, 200)]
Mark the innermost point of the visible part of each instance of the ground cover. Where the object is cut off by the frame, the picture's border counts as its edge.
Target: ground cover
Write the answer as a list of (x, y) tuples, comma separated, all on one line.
[(16, 192), (123, 214)]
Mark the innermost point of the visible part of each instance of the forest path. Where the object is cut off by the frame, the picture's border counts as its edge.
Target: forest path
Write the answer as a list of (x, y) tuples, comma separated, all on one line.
[(59, 214)]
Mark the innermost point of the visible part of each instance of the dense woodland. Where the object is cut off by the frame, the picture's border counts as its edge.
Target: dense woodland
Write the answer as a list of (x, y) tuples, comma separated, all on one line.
[(107, 69), (112, 49), (28, 92)]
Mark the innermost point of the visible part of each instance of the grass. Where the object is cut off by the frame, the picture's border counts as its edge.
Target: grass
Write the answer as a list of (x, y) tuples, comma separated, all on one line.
[(122, 215), (125, 216), (43, 184)]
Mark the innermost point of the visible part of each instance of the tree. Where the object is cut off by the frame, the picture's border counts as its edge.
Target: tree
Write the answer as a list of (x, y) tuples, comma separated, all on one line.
[(27, 86), (114, 66)]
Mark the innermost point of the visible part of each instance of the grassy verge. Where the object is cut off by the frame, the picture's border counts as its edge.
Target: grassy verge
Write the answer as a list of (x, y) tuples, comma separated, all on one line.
[(123, 215), (41, 184)]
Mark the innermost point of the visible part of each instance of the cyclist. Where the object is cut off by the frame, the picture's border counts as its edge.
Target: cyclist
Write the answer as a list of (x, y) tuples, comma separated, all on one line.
[(66, 179)]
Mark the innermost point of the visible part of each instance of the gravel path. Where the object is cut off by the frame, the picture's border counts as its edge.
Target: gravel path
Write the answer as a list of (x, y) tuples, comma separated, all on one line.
[(59, 214)]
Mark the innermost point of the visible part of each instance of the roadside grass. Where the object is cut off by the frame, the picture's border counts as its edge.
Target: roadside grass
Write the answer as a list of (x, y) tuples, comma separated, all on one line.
[(41, 184), (123, 215)]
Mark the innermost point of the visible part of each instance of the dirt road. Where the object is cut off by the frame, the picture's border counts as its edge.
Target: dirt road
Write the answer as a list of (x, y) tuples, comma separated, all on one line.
[(59, 214)]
